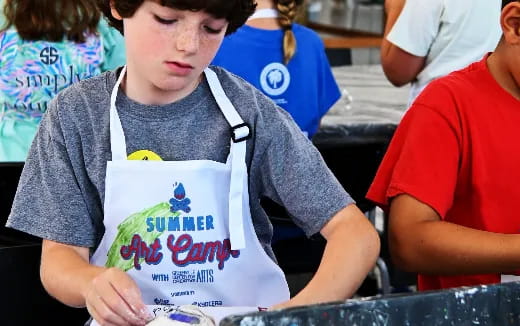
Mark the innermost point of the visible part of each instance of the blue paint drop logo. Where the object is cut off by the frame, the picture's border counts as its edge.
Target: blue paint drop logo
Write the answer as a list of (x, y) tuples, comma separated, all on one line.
[(179, 202), (179, 193)]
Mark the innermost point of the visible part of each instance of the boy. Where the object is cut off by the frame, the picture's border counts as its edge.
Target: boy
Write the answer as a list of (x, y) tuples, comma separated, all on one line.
[(450, 174), (181, 214)]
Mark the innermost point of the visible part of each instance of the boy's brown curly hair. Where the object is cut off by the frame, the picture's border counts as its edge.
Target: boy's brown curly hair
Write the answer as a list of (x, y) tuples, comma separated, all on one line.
[(235, 12)]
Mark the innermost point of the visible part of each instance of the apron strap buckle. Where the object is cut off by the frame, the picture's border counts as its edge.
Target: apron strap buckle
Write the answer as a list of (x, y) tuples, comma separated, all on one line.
[(240, 132)]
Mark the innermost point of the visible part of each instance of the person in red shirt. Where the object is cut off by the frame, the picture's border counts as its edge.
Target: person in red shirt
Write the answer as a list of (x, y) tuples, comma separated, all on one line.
[(449, 180)]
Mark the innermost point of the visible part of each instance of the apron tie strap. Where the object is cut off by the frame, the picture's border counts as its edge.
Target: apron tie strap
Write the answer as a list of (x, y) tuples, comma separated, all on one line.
[(236, 191)]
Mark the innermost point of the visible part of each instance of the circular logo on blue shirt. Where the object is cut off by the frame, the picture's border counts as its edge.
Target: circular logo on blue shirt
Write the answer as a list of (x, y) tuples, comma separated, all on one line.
[(275, 79)]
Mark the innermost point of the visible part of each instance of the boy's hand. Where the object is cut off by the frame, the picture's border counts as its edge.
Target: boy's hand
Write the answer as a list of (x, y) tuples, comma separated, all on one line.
[(110, 295), (113, 298), (341, 271)]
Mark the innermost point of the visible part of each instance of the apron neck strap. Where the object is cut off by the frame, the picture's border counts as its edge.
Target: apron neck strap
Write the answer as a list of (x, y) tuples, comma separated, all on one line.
[(240, 132), (117, 136)]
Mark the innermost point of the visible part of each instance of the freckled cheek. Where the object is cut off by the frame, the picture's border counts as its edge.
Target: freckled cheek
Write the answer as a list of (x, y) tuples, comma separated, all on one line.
[(210, 45)]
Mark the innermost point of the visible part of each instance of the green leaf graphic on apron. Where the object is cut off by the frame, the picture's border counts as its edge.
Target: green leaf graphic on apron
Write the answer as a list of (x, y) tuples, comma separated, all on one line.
[(135, 224)]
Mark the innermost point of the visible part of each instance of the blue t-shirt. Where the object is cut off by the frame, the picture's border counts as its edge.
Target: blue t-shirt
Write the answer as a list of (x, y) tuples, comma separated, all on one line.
[(305, 87)]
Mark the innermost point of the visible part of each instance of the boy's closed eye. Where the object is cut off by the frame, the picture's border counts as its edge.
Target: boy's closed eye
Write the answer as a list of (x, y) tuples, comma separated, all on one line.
[(164, 20), (212, 30)]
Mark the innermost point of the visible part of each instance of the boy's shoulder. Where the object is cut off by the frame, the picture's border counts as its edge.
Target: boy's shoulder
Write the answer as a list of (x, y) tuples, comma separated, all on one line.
[(80, 98), (474, 74), (466, 83), (92, 85), (463, 97)]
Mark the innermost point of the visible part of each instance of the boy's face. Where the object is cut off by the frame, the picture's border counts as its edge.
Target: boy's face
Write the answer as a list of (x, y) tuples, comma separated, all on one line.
[(167, 51)]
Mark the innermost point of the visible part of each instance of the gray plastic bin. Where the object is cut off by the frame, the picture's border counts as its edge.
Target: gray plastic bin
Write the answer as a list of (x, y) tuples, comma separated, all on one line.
[(496, 305)]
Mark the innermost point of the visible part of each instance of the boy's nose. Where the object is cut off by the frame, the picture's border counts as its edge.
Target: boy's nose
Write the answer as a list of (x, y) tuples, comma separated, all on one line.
[(188, 40)]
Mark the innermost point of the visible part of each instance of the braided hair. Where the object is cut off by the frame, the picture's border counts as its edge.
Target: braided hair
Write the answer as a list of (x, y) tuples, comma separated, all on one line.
[(288, 10)]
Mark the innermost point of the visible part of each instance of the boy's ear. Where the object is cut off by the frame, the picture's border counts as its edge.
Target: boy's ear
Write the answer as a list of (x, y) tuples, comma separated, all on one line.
[(510, 22), (114, 11)]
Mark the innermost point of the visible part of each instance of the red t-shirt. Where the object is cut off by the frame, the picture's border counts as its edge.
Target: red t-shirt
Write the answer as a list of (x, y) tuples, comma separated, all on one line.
[(457, 149)]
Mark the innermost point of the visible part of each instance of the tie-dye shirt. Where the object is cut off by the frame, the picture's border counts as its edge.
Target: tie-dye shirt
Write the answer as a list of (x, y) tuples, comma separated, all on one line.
[(33, 72)]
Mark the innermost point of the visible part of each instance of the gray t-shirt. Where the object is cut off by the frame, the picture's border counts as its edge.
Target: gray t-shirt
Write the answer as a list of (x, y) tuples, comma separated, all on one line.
[(61, 192)]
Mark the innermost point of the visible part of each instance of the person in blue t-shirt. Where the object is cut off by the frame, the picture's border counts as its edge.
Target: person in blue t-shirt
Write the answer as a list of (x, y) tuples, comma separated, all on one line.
[(285, 60)]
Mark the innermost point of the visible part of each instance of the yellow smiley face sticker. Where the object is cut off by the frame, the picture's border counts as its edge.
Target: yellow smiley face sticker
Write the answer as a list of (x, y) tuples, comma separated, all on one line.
[(144, 155)]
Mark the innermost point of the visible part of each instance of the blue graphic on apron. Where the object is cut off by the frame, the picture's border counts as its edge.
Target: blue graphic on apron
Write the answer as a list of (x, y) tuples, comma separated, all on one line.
[(179, 200)]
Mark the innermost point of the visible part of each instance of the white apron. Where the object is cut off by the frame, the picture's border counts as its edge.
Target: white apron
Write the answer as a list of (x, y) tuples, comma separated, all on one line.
[(182, 229)]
